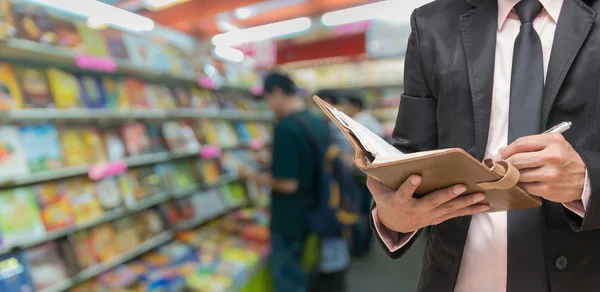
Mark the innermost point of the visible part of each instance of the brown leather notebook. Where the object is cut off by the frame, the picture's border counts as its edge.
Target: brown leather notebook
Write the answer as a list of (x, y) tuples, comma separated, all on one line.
[(438, 168)]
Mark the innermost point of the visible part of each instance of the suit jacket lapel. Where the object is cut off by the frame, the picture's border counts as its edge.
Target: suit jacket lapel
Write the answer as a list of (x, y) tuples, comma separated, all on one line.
[(574, 24), (478, 28)]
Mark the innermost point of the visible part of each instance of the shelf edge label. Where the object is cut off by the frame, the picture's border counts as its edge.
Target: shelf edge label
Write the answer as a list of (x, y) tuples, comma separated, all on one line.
[(211, 151), (100, 64), (105, 170)]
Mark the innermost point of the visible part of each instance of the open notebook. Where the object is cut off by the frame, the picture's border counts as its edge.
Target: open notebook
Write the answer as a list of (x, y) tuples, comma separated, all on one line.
[(437, 168), (380, 150)]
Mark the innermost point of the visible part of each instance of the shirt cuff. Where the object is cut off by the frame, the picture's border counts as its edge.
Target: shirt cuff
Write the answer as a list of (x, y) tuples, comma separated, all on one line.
[(579, 207), (392, 240)]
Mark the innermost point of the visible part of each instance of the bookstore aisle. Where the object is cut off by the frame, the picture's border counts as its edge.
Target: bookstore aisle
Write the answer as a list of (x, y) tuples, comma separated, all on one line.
[(376, 272)]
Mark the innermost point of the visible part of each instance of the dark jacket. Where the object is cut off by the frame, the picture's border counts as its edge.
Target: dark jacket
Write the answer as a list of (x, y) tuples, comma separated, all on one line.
[(448, 83)]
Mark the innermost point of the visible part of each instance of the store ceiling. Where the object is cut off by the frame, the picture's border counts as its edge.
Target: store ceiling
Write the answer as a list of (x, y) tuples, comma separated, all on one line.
[(198, 17)]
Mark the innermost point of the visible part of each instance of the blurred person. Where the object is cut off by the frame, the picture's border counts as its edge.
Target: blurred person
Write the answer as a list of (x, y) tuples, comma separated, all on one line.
[(355, 108), (292, 180), (361, 235), (489, 76)]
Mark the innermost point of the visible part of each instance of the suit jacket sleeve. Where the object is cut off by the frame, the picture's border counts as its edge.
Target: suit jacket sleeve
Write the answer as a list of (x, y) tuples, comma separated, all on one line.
[(416, 124), (591, 218)]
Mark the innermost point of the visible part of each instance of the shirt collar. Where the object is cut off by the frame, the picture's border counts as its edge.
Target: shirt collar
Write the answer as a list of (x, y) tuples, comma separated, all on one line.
[(505, 6)]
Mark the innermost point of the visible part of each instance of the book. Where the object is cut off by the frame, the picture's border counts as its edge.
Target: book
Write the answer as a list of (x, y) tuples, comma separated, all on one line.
[(20, 220), (65, 88), (84, 250), (14, 274), (126, 234), (130, 189), (168, 172), (55, 208), (13, 161), (438, 168), (91, 92), (102, 241), (84, 203), (180, 137), (115, 44), (42, 147), (93, 40), (67, 34), (115, 149), (73, 147), (108, 193), (34, 87), (116, 97), (10, 93), (156, 139), (136, 138), (33, 23), (46, 265), (182, 95), (136, 92), (92, 139)]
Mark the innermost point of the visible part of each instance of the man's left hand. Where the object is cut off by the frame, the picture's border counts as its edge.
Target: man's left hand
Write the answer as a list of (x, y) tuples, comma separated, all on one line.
[(549, 166)]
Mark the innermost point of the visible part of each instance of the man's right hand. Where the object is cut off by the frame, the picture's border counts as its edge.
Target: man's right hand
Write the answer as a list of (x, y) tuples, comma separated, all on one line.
[(400, 212)]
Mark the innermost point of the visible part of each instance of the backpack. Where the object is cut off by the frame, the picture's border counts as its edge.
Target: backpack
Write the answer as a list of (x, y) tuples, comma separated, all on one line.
[(337, 204)]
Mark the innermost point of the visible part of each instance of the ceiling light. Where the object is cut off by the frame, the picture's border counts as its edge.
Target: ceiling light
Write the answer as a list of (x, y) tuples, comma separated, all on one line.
[(263, 32), (102, 13), (397, 10), (242, 13), (229, 54), (160, 4)]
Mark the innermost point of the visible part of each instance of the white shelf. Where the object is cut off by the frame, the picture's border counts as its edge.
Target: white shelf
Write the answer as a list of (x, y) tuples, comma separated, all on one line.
[(45, 114), (103, 267)]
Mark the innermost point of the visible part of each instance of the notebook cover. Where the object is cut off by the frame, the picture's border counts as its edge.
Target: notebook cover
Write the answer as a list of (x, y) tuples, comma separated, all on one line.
[(438, 171)]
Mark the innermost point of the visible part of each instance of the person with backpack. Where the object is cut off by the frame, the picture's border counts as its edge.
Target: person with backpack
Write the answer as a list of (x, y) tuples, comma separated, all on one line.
[(293, 180)]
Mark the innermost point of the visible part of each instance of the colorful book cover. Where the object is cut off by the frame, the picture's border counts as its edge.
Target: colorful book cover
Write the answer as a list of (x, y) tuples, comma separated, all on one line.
[(136, 46), (102, 239), (14, 274), (198, 99), (149, 224), (184, 176), (115, 44), (156, 140), (84, 251), (7, 26), (91, 92), (46, 265), (33, 23), (243, 132), (210, 171), (108, 192), (126, 234), (10, 93), (92, 139), (34, 87), (65, 88), (13, 161), (210, 132), (93, 41), (116, 98), (136, 138), (130, 189), (84, 203), (73, 147), (67, 34), (115, 149), (20, 220), (168, 172), (165, 97), (136, 91), (171, 213), (55, 208), (182, 95), (151, 183), (42, 147), (180, 137)]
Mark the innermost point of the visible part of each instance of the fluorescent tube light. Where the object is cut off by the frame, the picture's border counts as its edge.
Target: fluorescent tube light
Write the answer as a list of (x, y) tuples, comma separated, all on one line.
[(102, 13), (396, 10), (229, 54), (263, 32), (155, 5)]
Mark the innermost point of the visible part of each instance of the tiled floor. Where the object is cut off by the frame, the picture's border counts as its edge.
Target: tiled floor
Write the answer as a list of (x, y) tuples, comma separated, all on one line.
[(377, 273)]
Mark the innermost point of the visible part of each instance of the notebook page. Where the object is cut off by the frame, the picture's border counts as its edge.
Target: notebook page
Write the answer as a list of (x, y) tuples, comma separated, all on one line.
[(393, 158)]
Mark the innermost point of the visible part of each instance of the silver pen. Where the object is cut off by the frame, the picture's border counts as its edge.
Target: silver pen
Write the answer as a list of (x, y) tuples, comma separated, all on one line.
[(560, 128)]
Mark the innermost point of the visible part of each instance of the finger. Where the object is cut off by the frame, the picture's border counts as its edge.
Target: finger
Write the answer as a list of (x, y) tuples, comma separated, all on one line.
[(525, 144), (470, 210), (457, 204), (377, 188), (526, 160), (437, 198), (539, 189), (408, 188)]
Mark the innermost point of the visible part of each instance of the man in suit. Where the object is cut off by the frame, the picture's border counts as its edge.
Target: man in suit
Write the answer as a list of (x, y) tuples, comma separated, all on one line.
[(489, 76)]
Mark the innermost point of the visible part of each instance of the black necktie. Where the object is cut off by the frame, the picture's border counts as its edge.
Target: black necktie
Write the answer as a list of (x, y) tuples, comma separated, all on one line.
[(526, 266)]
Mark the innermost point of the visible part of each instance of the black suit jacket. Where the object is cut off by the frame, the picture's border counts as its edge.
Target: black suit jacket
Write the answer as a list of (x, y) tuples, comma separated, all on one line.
[(449, 69)]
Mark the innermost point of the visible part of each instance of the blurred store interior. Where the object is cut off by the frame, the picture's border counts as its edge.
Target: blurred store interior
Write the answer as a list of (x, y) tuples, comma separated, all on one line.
[(125, 124)]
